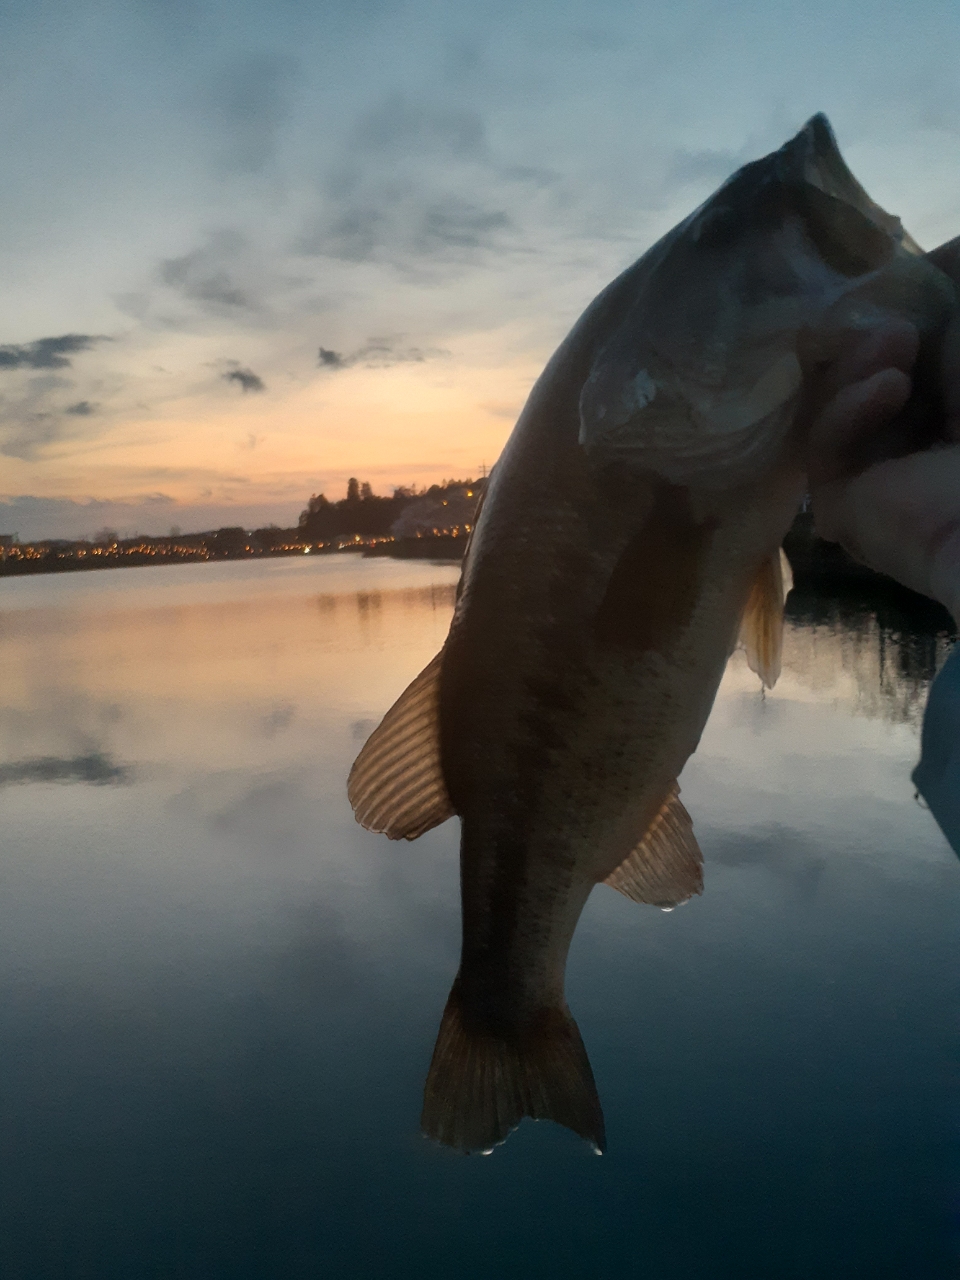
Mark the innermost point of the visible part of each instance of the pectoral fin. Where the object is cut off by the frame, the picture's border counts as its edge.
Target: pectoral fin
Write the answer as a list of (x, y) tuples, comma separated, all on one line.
[(666, 867), (396, 785), (761, 627)]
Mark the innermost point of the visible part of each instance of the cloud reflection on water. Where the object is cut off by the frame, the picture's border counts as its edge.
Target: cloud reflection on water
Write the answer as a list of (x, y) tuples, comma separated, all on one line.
[(240, 700), (94, 767)]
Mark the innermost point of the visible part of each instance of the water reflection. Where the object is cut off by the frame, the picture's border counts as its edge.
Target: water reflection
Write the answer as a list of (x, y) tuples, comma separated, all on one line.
[(93, 767), (218, 995), (878, 649)]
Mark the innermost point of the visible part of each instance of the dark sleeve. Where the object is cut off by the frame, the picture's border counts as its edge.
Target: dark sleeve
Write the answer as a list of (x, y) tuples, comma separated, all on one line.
[(937, 776)]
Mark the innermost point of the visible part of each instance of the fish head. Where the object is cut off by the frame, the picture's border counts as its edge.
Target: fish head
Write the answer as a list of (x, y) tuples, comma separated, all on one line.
[(699, 381)]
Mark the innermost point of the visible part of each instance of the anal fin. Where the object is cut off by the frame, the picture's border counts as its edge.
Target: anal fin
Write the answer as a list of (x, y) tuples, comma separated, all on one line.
[(396, 785), (666, 867), (761, 626)]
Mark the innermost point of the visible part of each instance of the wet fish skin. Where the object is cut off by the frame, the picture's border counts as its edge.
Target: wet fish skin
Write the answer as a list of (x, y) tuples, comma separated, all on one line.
[(634, 517)]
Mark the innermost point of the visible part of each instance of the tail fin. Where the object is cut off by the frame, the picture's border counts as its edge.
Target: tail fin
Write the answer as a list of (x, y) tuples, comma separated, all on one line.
[(481, 1084)]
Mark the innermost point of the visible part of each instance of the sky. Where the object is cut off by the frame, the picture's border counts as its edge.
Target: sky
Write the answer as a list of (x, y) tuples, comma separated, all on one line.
[(248, 250)]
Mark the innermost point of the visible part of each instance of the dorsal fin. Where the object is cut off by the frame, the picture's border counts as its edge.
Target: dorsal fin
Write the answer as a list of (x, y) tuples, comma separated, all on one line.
[(396, 784), (761, 627), (666, 867)]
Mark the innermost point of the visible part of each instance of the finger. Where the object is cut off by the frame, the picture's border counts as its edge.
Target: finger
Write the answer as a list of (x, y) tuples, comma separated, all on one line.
[(902, 517), (839, 353), (891, 345), (947, 258), (840, 442), (950, 366)]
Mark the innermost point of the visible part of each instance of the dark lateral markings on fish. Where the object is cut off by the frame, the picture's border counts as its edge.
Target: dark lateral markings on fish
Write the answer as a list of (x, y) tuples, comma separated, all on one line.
[(629, 540), (94, 767)]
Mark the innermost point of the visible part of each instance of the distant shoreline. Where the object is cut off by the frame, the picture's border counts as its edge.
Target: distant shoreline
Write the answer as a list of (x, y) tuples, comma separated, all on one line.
[(442, 547), (31, 559), (433, 524), (811, 559)]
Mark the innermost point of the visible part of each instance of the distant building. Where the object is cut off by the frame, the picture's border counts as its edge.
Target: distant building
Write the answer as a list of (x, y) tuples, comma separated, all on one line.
[(6, 543)]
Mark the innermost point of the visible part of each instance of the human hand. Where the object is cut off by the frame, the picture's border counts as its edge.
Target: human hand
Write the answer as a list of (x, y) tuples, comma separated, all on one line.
[(891, 508)]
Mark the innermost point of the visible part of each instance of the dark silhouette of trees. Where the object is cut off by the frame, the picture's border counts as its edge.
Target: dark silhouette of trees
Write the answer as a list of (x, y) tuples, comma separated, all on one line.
[(361, 511), (272, 535), (229, 541), (364, 512)]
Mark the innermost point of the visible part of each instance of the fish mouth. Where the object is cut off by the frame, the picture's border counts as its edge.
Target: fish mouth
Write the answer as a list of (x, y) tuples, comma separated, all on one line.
[(806, 180), (852, 233), (699, 382)]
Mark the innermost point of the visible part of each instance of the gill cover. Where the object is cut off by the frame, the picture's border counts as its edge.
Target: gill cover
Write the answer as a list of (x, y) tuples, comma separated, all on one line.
[(699, 382)]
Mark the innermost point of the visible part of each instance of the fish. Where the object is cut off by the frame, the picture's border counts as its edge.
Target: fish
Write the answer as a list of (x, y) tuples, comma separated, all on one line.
[(628, 540)]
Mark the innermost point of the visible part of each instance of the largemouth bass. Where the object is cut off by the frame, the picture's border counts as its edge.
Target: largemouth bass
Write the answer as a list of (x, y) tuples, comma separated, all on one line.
[(629, 536)]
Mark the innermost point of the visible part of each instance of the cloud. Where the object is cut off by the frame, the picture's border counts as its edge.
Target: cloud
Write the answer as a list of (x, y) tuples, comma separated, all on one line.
[(378, 353), (234, 276), (34, 517), (711, 167), (400, 224), (246, 378), (454, 223), (788, 854), (501, 410), (353, 235), (402, 124), (382, 353), (699, 166), (95, 767), (47, 353), (415, 180), (207, 275), (32, 418), (41, 410), (251, 101), (28, 436)]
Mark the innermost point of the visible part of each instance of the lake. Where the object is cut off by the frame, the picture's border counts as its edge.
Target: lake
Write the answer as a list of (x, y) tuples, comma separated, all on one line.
[(219, 996)]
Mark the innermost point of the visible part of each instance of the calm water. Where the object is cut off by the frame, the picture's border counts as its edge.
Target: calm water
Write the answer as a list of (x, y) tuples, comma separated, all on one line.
[(218, 996)]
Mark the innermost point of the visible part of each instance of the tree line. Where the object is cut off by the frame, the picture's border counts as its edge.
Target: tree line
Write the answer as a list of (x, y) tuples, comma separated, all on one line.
[(364, 512)]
